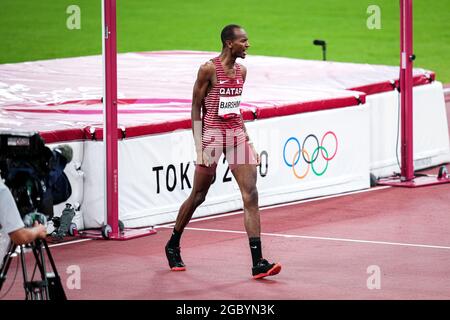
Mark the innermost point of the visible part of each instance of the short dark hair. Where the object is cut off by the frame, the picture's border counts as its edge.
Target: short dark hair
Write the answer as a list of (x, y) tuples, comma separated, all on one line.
[(228, 33)]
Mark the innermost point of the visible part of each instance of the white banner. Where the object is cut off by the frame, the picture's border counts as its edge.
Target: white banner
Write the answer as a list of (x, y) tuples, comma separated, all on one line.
[(156, 172), (431, 139)]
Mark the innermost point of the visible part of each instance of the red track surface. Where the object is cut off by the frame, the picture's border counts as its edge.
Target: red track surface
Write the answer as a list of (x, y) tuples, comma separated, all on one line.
[(319, 243)]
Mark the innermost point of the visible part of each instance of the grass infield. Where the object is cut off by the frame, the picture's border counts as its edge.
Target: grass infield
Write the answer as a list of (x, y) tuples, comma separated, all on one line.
[(35, 30)]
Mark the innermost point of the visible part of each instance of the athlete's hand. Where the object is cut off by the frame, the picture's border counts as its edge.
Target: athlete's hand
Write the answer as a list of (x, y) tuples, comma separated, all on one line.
[(255, 153), (203, 158)]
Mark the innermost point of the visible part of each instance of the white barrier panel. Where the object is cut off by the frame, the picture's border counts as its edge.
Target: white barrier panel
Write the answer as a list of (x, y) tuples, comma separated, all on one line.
[(145, 159), (431, 140), (156, 172), (149, 165)]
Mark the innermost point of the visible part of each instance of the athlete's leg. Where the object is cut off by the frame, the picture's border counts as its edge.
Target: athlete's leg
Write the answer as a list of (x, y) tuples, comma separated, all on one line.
[(242, 163), (245, 175), (203, 178)]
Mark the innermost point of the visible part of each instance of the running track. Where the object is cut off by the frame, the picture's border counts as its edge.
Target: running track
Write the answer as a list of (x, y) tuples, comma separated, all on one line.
[(325, 246)]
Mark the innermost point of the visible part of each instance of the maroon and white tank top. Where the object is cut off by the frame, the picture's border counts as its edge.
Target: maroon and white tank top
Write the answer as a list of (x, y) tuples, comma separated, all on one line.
[(222, 121)]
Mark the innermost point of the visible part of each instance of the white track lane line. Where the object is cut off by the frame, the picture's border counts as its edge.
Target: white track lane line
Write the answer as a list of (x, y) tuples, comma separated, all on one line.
[(240, 211), (326, 238), (280, 205), (69, 242)]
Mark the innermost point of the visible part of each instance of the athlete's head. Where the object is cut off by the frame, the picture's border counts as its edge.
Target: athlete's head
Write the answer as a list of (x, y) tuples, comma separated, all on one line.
[(234, 38)]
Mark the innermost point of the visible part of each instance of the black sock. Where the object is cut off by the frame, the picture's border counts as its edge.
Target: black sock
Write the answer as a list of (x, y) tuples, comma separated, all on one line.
[(175, 239), (255, 248)]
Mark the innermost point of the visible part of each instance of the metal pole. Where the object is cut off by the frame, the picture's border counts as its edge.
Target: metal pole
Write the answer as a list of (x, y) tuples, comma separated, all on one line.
[(110, 115), (406, 89), (407, 178)]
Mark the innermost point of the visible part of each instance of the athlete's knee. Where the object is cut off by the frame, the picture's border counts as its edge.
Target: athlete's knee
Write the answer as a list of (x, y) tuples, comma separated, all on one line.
[(250, 196), (199, 197)]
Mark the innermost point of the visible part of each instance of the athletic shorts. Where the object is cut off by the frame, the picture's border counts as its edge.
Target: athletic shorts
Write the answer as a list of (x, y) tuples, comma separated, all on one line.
[(237, 155)]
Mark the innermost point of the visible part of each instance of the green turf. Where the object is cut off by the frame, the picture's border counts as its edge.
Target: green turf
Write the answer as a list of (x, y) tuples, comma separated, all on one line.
[(33, 30)]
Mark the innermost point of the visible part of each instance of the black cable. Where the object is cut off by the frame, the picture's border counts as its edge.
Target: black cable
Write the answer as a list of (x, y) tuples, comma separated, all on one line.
[(14, 280), (398, 131)]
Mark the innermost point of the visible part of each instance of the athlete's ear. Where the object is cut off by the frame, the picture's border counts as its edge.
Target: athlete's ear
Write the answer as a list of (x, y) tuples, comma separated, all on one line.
[(229, 43)]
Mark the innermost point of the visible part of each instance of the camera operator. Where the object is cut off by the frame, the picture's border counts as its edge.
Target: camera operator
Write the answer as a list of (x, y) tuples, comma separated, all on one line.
[(11, 222), (34, 182)]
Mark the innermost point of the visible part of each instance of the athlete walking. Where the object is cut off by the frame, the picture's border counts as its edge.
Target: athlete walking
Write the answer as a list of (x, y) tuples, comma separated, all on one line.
[(218, 128)]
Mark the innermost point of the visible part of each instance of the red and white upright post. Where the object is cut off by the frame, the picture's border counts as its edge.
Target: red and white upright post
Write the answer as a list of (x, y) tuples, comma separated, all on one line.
[(110, 129), (407, 178), (406, 89), (110, 116)]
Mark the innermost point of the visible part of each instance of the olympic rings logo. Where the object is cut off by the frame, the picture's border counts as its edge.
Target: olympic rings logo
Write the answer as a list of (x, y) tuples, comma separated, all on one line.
[(310, 158)]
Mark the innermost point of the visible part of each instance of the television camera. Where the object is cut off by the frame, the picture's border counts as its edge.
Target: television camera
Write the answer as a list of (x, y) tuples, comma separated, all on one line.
[(35, 176)]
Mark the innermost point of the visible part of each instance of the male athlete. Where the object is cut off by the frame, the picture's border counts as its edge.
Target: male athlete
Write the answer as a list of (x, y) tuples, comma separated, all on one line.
[(218, 128)]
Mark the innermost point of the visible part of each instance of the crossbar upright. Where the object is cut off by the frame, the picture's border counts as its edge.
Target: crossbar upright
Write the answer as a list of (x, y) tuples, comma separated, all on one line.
[(110, 229), (407, 177)]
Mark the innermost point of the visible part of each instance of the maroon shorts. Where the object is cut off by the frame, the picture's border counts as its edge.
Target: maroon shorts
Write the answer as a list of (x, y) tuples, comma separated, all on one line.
[(237, 155)]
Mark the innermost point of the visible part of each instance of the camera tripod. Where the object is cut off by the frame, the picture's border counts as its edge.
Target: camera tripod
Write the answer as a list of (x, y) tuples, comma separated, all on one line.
[(49, 286)]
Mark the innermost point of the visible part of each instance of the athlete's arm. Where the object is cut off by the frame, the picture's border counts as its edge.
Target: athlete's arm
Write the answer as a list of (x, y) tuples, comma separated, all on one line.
[(243, 71), (204, 79)]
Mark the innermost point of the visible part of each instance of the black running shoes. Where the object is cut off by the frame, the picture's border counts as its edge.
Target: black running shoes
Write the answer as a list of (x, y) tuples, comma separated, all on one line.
[(174, 258), (264, 269)]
